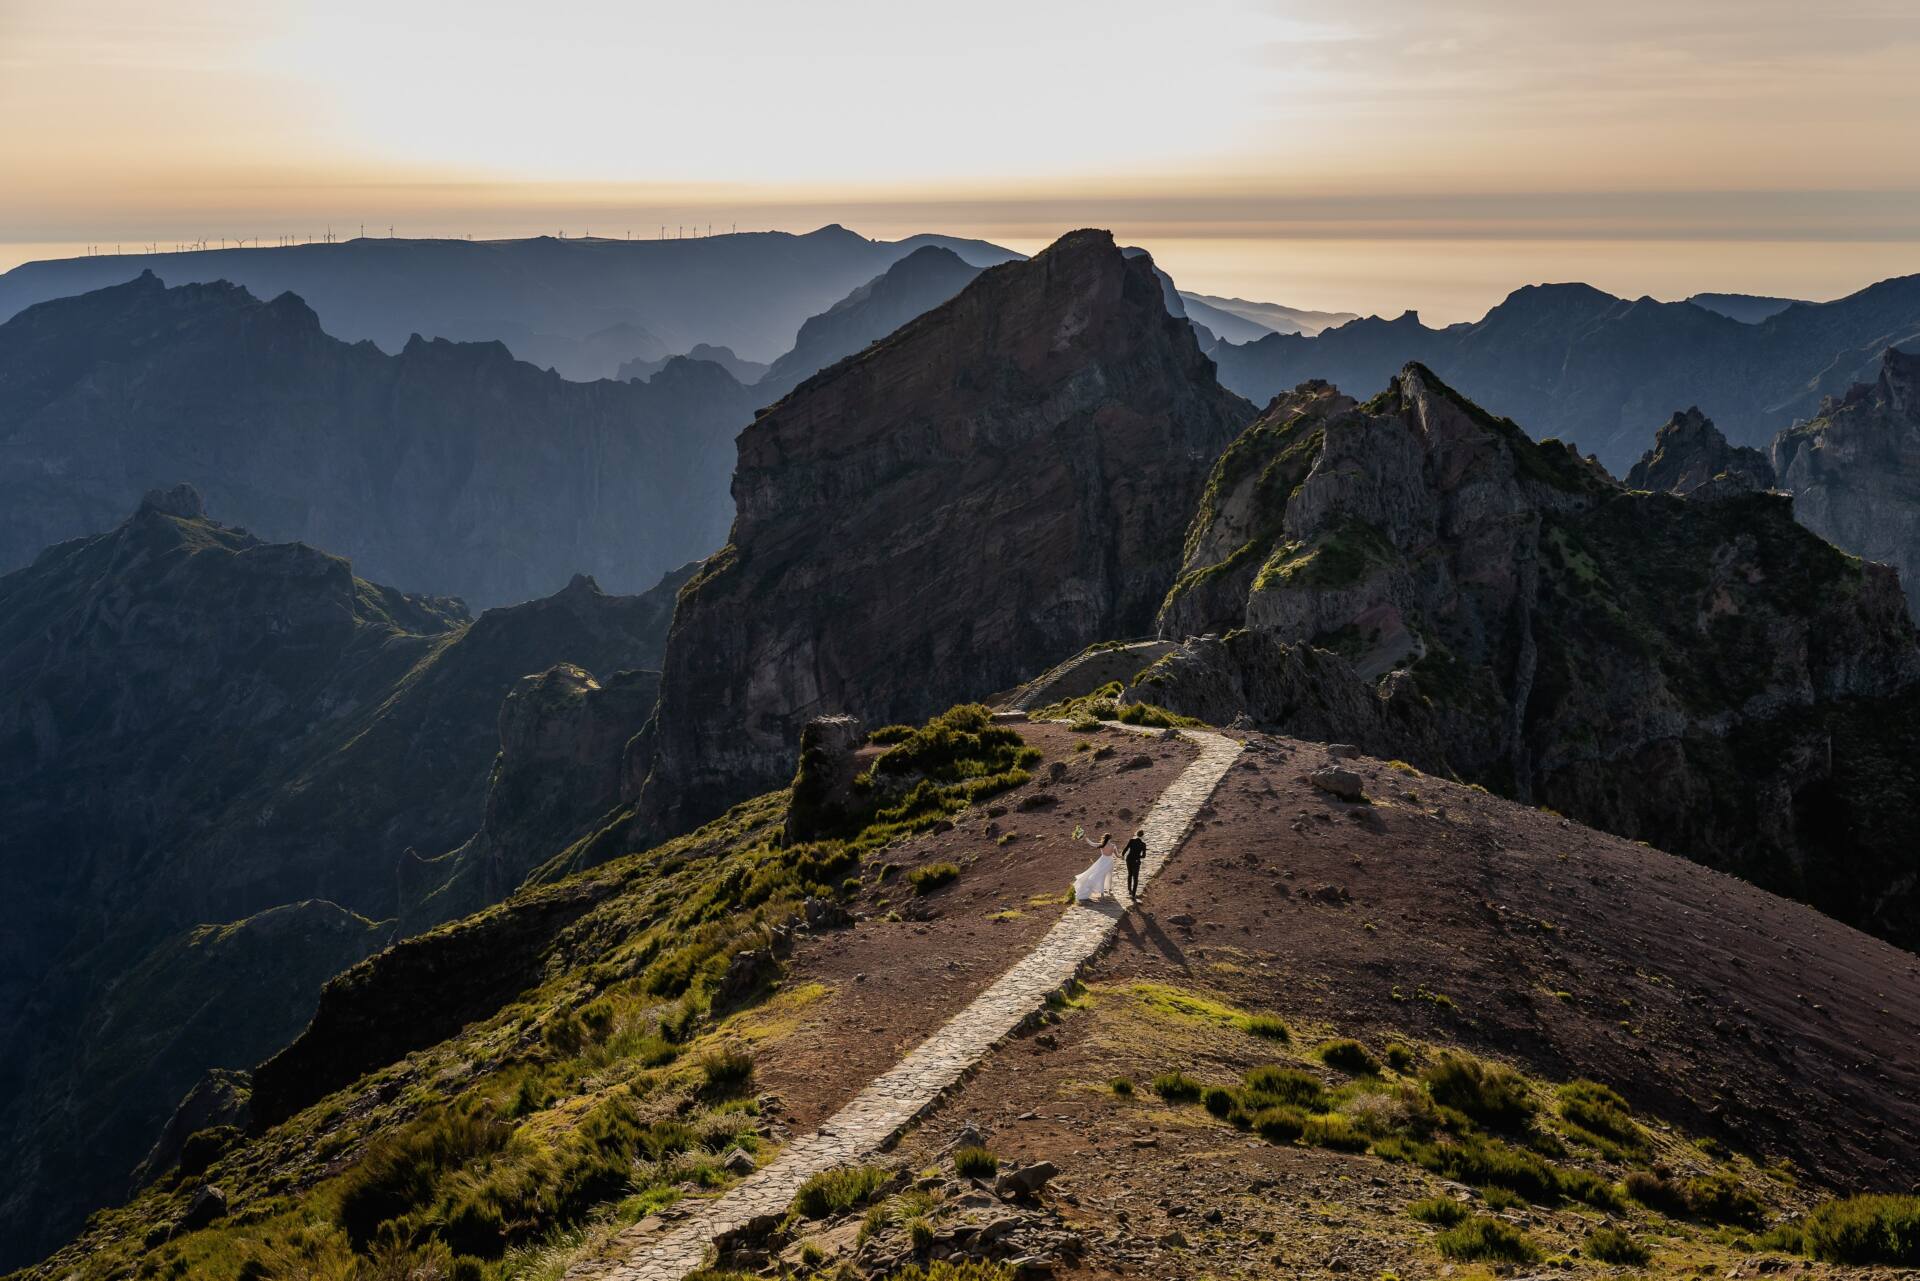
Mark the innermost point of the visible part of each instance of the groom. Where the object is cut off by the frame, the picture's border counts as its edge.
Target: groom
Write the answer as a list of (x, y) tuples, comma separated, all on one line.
[(1135, 851)]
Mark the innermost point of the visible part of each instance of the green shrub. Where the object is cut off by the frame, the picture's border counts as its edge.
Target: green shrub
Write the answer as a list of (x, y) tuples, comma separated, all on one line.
[(975, 1163), (920, 1234), (1494, 1096), (836, 1191), (400, 1173), (1656, 1193), (726, 1072), (1782, 1238), (1334, 1131), (1399, 1056), (1219, 1101), (1177, 1087), (203, 1147), (941, 1270), (887, 735), (1486, 1239), (1121, 1086), (1442, 1210), (1724, 1199), (1501, 1199), (1268, 1026), (931, 876), (1611, 1245), (1600, 1118), (1350, 1057), (1280, 1124), (1152, 716), (1272, 1084)]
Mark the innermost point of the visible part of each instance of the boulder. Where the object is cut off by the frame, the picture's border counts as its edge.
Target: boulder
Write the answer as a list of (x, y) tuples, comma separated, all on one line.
[(1343, 783), (1025, 1181)]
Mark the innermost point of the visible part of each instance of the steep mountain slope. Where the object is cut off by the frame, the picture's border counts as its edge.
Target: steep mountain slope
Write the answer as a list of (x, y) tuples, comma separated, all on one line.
[(581, 306), (911, 287), (222, 762), (449, 468), (592, 1051), (1418, 577), (1691, 458), (999, 483), (1578, 364), (1854, 469)]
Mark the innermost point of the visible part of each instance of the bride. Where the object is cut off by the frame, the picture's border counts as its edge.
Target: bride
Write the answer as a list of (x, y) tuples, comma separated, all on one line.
[(1096, 881)]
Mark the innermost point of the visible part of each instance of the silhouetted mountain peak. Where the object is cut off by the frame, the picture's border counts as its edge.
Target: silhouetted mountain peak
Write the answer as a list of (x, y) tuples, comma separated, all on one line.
[(182, 501)]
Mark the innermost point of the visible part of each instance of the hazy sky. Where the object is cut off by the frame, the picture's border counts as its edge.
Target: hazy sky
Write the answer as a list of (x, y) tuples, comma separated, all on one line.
[(1372, 154)]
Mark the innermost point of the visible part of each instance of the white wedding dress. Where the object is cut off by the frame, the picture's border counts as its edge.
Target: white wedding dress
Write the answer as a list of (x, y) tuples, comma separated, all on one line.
[(1096, 881)]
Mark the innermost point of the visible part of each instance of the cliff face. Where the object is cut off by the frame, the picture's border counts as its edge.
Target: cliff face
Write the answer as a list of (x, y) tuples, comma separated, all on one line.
[(999, 483), (1854, 469), (1691, 458), (1419, 577), (224, 764), (448, 468)]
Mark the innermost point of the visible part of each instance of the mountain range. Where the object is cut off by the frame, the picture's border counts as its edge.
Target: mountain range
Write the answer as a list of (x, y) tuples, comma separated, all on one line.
[(1580, 365), (581, 306), (451, 468)]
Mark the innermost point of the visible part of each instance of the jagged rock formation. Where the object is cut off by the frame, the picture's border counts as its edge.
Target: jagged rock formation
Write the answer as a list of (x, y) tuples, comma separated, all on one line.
[(997, 485), (1574, 363), (1419, 577), (580, 306), (1691, 458), (224, 766), (1854, 469), (911, 287), (448, 468), (743, 371)]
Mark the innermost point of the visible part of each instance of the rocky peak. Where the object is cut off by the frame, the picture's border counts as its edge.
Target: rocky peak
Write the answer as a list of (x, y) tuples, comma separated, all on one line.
[(996, 485), (911, 287), (1854, 470), (1418, 576), (1691, 458), (182, 501)]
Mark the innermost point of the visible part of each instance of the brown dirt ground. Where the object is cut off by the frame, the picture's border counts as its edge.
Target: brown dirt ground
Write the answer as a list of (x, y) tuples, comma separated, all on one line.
[(891, 983), (1716, 1009)]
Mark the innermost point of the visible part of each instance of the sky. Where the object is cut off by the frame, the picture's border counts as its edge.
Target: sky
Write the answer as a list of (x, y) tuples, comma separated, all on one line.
[(1372, 155)]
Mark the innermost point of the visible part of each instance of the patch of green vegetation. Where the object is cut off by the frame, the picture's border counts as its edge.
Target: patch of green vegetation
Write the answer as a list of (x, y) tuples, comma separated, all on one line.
[(1600, 1118), (1348, 1056), (836, 1191), (1084, 714), (1611, 1245), (1865, 1229), (1176, 1087), (1444, 1211), (1279, 1124), (1268, 1027), (1483, 1238), (942, 1270), (975, 1163), (931, 876), (1341, 555), (1495, 1096), (1121, 1086)]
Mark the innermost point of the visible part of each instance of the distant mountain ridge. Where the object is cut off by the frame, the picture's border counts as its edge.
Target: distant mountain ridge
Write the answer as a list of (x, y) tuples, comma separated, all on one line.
[(582, 306), (1578, 364), (450, 468)]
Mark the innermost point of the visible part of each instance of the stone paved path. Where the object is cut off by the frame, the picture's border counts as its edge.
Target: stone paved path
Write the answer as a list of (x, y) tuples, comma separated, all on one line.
[(880, 1113)]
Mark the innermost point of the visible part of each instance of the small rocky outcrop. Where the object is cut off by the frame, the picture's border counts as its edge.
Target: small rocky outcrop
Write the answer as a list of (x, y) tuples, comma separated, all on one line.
[(995, 486), (1423, 580), (1854, 469), (1692, 459)]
